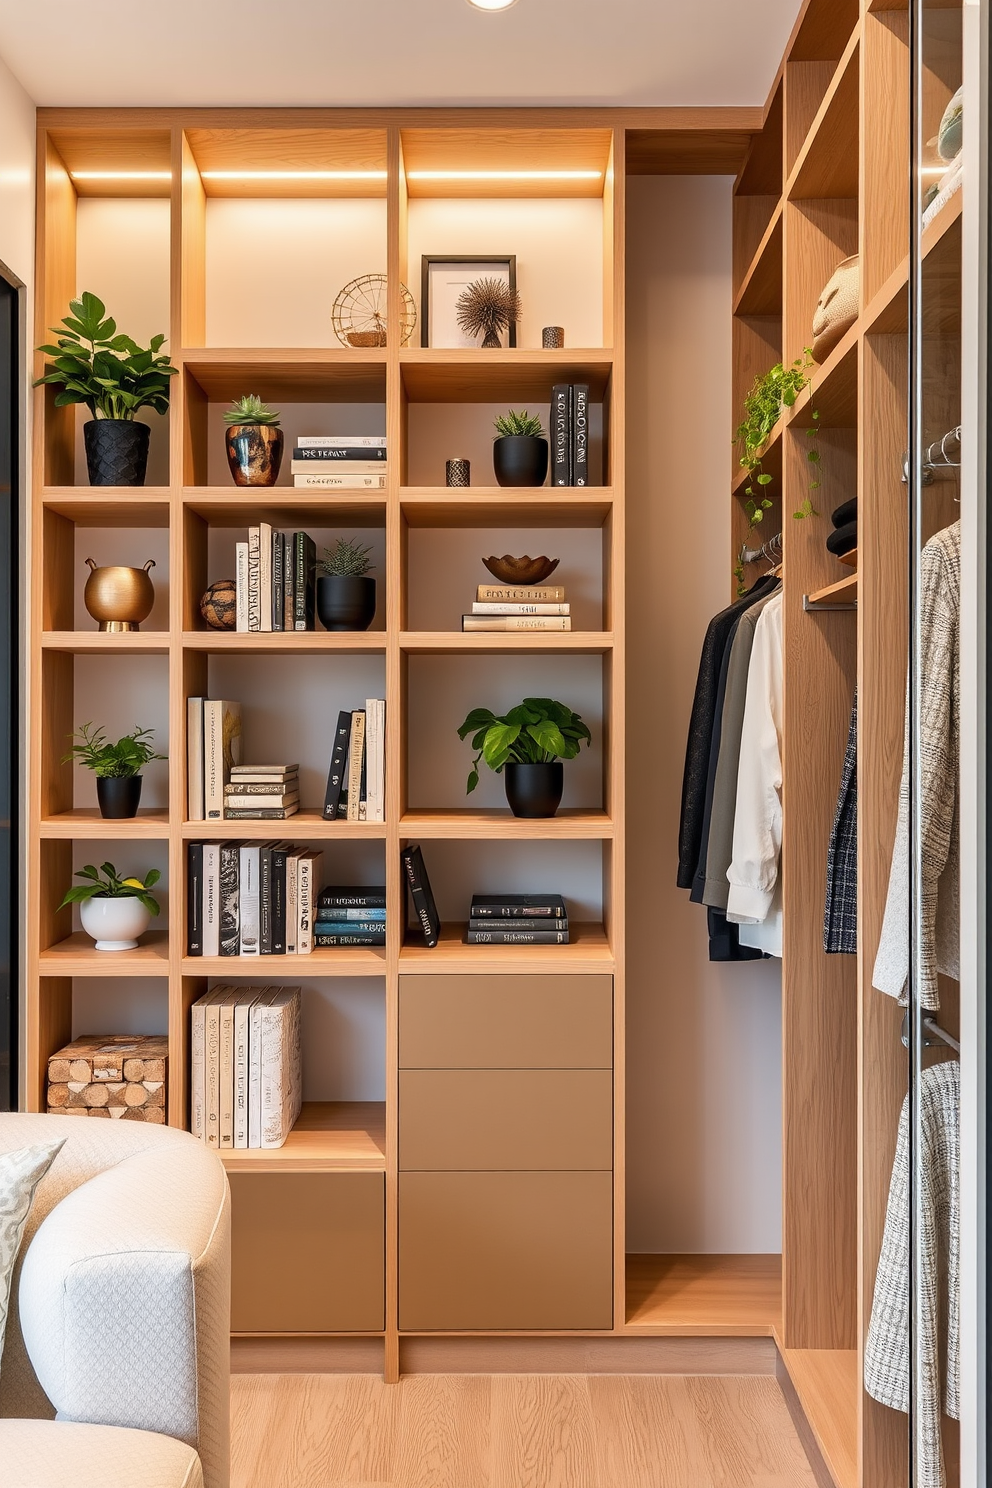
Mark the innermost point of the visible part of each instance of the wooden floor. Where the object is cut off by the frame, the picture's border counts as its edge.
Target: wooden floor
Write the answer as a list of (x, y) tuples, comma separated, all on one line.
[(514, 1431)]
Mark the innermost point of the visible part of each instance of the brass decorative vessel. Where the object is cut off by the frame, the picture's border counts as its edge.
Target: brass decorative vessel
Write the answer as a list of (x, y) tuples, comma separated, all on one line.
[(119, 598)]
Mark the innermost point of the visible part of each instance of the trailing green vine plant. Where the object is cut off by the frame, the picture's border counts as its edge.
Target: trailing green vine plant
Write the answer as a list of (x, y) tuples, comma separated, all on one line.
[(769, 395)]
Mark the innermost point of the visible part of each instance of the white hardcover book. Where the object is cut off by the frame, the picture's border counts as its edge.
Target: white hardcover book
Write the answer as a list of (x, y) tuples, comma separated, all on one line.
[(197, 1066), (340, 482), (241, 580), (254, 580), (356, 746), (226, 1076), (343, 467), (265, 575), (242, 1040), (498, 607), (280, 1065), (292, 900), (194, 758), (341, 441), (380, 763), (308, 889), (248, 900), (255, 1065), (372, 759), (211, 899), (212, 1065), (221, 750)]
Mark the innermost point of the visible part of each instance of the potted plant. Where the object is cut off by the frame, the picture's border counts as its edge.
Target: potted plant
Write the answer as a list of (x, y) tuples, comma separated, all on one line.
[(117, 767), (114, 910), (254, 442), (345, 591), (520, 450), (94, 364), (527, 745)]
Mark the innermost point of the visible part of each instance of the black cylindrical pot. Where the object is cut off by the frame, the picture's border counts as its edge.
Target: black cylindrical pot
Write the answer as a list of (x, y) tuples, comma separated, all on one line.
[(346, 601), (520, 460), (116, 451), (534, 790), (118, 795)]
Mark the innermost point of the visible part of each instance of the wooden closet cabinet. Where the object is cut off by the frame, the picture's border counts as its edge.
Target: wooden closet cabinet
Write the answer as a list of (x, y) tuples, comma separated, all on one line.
[(505, 1152)]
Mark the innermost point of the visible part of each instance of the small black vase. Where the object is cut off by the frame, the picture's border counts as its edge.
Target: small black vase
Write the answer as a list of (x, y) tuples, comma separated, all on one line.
[(520, 460), (346, 601), (118, 796), (116, 451), (534, 790)]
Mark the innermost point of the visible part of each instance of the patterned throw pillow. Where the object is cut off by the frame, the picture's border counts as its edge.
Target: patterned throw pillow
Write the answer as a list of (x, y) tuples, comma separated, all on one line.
[(20, 1174)]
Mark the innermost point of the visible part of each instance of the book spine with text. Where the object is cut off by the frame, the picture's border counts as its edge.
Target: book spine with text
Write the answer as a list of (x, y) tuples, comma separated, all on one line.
[(194, 899), (241, 583), (561, 436), (356, 752), (341, 441), (280, 854), (349, 938), (265, 899), (516, 622), (305, 583), (230, 874), (517, 937), (306, 893), (519, 925), (278, 582), (280, 1067), (194, 758), (197, 1072), (226, 1076), (248, 899), (372, 455), (265, 576), (358, 900), (211, 1060), (254, 580), (421, 895), (289, 579), (580, 434), (211, 899), (353, 466), (255, 1067), (213, 759), (242, 1024), (335, 773), (292, 899), (494, 910), (340, 482), (520, 593), (519, 607)]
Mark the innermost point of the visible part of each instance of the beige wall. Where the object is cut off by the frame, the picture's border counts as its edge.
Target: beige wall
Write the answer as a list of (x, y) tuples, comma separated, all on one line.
[(704, 1041)]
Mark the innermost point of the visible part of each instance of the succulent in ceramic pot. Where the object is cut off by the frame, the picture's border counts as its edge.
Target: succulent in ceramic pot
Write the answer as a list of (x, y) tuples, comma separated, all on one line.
[(520, 450), (254, 442)]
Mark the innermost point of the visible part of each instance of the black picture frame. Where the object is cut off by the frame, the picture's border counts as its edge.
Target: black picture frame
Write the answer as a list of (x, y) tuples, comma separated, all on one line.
[(429, 259)]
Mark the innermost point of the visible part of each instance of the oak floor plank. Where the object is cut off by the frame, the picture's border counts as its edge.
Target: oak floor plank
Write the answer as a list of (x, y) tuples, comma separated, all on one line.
[(745, 1433), (444, 1432), (541, 1432), (643, 1423)]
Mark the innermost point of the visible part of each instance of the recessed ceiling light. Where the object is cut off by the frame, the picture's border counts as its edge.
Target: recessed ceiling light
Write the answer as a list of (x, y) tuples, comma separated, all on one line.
[(491, 4)]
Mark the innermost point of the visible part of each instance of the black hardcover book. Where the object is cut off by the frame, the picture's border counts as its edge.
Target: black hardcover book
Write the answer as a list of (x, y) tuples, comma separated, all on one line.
[(363, 938), (279, 856), (194, 899), (230, 919), (561, 436), (278, 582), (502, 936), (526, 906), (518, 925), (265, 899), (419, 885), (339, 452), (338, 766), (341, 897), (305, 583), (580, 434)]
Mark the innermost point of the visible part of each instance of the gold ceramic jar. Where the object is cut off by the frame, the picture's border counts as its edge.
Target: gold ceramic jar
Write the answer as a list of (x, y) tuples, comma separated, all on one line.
[(118, 597)]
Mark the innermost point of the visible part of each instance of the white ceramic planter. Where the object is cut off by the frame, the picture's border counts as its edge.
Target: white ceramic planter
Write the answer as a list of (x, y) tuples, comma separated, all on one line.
[(114, 924)]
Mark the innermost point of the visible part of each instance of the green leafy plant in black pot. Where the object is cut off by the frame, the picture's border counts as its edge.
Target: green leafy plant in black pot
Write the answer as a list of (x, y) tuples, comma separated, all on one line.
[(254, 442), (520, 450), (117, 767), (95, 364), (345, 590), (526, 746)]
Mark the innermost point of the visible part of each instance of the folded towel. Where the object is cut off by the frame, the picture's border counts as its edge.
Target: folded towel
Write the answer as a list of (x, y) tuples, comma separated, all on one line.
[(843, 539), (847, 512)]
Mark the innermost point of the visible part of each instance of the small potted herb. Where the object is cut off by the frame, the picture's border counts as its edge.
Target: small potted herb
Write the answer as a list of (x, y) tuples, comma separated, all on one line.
[(254, 442), (527, 745), (345, 591), (115, 378), (114, 910), (520, 450), (117, 767)]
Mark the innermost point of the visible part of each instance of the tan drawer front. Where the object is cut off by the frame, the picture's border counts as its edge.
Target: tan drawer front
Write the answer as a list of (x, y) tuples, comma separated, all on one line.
[(506, 1022), (506, 1250), (453, 1120), (307, 1252)]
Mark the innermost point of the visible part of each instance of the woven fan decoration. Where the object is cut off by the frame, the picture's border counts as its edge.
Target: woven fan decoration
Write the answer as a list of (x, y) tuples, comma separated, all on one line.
[(358, 315)]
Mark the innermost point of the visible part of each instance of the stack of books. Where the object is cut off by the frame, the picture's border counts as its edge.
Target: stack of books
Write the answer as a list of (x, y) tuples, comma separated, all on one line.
[(246, 1085), (518, 919), (350, 916), (523, 607), (570, 434), (262, 793), (276, 579), (213, 749), (251, 898), (356, 778), (346, 462)]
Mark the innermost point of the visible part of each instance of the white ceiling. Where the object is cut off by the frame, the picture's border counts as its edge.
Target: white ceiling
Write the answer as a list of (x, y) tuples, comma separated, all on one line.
[(381, 52)]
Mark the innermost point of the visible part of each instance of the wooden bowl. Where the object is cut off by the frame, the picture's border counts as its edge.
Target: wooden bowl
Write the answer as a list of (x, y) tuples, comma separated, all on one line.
[(521, 570)]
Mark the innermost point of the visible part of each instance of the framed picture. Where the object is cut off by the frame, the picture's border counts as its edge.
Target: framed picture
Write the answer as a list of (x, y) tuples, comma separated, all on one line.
[(442, 282)]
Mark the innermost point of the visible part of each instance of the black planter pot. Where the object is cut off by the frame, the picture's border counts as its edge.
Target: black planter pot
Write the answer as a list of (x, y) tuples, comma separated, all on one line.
[(118, 796), (116, 451), (346, 601), (520, 460), (534, 790)]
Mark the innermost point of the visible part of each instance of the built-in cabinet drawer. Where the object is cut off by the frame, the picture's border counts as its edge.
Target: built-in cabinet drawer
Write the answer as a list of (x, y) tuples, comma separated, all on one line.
[(307, 1252), (511, 1119), (506, 1022), (505, 1250)]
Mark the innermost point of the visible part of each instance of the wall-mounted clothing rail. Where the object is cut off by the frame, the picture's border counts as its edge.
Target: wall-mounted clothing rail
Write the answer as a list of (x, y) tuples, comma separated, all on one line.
[(932, 1034), (938, 456), (771, 551)]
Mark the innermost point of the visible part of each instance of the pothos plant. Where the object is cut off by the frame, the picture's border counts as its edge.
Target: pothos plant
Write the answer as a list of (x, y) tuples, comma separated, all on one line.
[(768, 396), (537, 731)]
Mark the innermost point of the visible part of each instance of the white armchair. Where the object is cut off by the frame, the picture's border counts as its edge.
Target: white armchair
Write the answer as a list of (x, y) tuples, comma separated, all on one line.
[(120, 1313)]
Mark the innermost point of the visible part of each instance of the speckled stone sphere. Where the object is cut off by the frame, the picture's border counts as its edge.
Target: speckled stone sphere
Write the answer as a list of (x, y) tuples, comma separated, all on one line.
[(219, 605)]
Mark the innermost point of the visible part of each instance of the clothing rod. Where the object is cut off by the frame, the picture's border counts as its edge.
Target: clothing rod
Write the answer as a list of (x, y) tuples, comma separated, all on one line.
[(933, 1028), (935, 456), (752, 555)]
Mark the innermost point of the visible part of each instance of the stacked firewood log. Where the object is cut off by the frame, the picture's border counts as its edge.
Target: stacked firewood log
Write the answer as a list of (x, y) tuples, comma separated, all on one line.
[(111, 1076)]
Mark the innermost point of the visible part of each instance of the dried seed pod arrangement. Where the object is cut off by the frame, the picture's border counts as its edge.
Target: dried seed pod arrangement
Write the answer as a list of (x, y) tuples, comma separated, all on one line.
[(487, 308)]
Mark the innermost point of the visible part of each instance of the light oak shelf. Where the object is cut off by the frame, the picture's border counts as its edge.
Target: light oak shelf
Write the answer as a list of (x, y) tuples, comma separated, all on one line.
[(305, 825), (506, 642), (430, 375), (827, 165), (588, 950), (467, 824), (324, 961), (224, 506), (494, 506), (329, 1136), (725, 1296), (109, 506), (104, 643), (761, 289), (294, 375), (843, 592), (77, 956), (278, 642), (83, 823)]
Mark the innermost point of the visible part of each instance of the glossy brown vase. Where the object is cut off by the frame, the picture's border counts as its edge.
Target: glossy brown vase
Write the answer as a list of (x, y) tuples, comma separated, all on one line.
[(254, 453)]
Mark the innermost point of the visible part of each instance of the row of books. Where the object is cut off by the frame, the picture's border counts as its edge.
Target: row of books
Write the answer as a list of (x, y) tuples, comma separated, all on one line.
[(347, 462), (246, 1083), (276, 580), (570, 434), (251, 898), (356, 777), (213, 749), (262, 793), (519, 607), (518, 919)]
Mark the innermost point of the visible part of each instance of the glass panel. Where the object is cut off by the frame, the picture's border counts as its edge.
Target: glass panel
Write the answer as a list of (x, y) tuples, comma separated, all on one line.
[(8, 685)]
